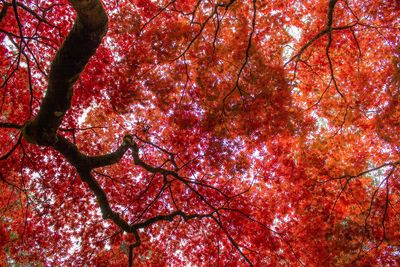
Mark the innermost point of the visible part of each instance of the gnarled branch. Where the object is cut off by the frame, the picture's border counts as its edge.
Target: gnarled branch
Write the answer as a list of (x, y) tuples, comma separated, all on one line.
[(70, 60)]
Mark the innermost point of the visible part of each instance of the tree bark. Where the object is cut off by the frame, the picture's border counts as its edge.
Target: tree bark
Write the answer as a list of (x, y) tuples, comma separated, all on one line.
[(79, 46)]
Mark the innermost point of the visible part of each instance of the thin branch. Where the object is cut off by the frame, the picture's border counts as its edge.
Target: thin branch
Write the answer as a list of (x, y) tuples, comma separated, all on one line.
[(10, 125), (233, 242), (393, 164), (156, 15), (246, 59)]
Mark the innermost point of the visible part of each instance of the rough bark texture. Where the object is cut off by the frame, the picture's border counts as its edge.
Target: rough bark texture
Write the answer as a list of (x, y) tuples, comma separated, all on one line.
[(70, 60)]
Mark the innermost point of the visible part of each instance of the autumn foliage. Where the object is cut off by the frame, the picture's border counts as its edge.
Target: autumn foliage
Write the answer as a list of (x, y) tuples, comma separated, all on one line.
[(200, 132)]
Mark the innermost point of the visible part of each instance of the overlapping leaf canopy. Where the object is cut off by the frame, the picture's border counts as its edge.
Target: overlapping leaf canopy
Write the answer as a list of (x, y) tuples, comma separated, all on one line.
[(203, 132)]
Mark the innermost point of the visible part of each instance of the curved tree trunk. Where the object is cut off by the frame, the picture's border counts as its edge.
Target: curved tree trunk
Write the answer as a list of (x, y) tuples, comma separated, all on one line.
[(70, 60)]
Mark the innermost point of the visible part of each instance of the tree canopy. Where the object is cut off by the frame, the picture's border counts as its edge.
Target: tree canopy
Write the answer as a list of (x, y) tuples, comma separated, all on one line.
[(199, 133)]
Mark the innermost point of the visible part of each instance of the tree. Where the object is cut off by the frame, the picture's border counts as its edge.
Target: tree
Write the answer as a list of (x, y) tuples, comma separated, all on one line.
[(169, 132)]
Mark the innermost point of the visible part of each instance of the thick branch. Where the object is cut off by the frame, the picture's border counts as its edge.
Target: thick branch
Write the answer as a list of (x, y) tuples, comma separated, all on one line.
[(70, 60), (108, 159), (170, 217), (3, 11), (84, 165), (103, 202), (71, 153), (83, 162)]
